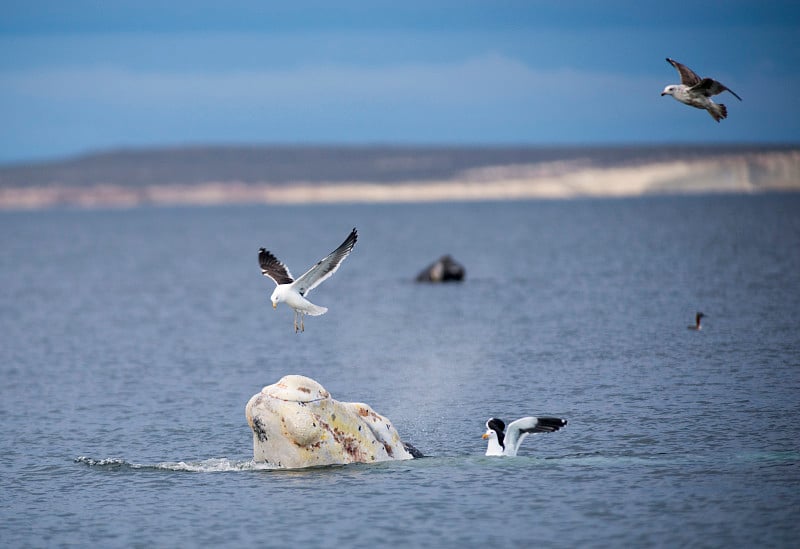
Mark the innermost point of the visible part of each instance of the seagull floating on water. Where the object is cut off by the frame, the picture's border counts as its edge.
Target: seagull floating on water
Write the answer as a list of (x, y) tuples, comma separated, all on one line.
[(697, 92), (505, 442), (696, 325), (293, 292)]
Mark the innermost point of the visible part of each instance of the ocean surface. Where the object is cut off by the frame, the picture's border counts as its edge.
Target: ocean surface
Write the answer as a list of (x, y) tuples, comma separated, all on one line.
[(131, 340)]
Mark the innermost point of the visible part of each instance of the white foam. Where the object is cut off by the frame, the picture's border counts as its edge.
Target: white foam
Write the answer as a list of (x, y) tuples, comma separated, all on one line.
[(212, 465)]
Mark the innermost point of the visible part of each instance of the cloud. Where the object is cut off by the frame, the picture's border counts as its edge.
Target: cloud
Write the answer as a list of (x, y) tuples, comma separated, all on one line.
[(472, 81), (490, 98)]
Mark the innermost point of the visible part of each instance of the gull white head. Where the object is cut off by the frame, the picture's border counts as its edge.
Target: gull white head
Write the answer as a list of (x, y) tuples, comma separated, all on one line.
[(495, 436), (669, 90), (275, 298)]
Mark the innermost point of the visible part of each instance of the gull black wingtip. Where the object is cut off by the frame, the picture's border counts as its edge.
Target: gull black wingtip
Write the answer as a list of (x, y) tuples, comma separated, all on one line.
[(351, 240)]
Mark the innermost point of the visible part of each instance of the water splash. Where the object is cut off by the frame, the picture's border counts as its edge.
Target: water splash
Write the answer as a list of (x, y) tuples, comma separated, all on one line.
[(212, 465)]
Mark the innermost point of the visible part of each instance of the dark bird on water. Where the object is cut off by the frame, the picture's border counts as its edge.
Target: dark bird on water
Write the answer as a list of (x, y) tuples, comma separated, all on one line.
[(696, 325)]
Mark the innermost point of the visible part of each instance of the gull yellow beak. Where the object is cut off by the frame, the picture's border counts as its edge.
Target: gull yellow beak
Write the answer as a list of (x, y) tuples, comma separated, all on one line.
[(274, 305), (485, 435)]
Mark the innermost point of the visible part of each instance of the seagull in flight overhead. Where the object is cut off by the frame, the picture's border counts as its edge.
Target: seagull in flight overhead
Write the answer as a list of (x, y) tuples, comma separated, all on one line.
[(697, 92), (505, 441), (293, 292)]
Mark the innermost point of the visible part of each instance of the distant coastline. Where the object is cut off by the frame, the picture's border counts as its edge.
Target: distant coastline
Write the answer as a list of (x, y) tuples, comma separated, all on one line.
[(204, 176)]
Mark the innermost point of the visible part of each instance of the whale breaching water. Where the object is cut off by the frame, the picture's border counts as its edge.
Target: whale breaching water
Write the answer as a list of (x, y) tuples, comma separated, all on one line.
[(297, 423), (505, 441), (697, 92), (293, 292), (696, 325)]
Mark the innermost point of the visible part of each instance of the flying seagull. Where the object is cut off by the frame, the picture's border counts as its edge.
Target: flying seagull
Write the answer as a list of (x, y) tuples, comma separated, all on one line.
[(696, 325), (697, 92), (505, 442), (293, 292)]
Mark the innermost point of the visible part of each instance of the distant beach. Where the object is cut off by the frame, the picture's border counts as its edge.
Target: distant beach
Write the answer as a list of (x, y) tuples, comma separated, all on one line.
[(212, 176)]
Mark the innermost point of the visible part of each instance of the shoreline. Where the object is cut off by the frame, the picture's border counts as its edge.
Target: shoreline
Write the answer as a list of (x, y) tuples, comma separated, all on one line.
[(735, 173)]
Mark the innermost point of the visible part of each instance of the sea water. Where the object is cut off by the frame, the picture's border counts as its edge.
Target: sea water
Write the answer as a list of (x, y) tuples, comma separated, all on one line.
[(131, 340)]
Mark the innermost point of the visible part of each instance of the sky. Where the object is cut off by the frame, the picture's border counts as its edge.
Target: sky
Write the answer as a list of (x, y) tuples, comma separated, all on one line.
[(92, 75)]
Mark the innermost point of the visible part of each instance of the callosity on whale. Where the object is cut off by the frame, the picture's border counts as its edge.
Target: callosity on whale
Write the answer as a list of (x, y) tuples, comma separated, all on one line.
[(296, 423)]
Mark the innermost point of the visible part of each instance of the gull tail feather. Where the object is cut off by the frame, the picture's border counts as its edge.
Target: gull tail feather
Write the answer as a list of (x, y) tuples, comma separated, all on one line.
[(315, 310)]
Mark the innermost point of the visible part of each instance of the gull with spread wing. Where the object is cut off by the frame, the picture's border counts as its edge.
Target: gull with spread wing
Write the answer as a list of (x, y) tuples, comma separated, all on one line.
[(293, 292), (697, 92), (505, 441)]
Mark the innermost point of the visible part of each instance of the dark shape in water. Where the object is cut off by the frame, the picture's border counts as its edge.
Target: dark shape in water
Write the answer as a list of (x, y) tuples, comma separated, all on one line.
[(696, 325), (411, 449), (445, 269)]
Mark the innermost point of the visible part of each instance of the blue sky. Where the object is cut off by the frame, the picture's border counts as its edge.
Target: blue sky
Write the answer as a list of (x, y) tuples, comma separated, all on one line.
[(87, 75)]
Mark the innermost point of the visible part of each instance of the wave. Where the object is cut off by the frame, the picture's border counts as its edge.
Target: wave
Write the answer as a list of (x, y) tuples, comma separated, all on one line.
[(223, 465), (213, 465)]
